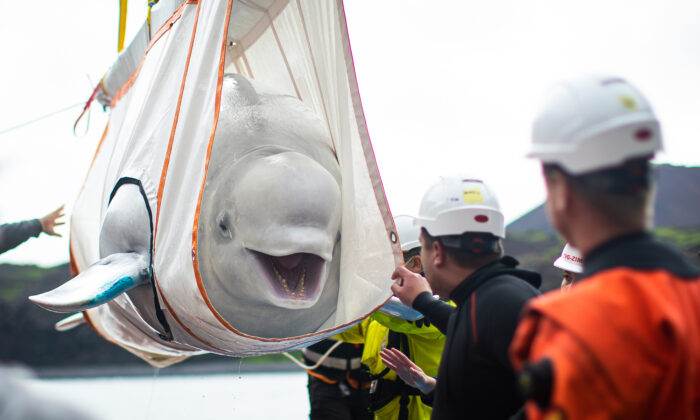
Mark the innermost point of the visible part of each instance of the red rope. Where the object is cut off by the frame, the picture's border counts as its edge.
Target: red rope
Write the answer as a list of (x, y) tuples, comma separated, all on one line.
[(87, 105)]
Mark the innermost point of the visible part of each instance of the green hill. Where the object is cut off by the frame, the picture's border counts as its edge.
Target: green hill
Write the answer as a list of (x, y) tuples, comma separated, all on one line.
[(532, 240), (28, 335), (537, 250)]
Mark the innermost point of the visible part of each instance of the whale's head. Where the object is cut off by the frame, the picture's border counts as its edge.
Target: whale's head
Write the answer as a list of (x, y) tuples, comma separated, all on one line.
[(269, 228), (275, 226)]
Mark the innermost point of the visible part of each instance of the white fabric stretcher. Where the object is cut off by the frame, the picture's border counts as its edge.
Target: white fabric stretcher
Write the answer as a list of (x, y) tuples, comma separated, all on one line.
[(165, 90)]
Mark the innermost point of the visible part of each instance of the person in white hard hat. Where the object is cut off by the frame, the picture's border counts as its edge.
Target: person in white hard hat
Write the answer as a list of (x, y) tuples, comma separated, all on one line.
[(462, 229), (409, 235), (625, 342), (571, 263)]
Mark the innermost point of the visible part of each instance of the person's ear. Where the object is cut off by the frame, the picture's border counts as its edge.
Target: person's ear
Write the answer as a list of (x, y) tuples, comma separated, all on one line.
[(415, 264), (559, 193), (438, 254)]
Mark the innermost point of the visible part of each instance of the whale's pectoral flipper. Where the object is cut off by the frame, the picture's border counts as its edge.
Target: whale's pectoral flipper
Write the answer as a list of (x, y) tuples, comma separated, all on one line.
[(101, 282), (70, 322)]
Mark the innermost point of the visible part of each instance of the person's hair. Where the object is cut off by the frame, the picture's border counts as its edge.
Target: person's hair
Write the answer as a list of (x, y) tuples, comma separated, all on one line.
[(470, 249), (621, 194)]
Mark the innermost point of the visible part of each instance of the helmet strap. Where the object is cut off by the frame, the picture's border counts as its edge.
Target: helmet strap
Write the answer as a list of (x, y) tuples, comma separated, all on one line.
[(476, 243)]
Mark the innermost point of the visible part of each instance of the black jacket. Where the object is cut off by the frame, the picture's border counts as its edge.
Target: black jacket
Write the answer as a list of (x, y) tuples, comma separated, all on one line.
[(476, 380), (13, 234)]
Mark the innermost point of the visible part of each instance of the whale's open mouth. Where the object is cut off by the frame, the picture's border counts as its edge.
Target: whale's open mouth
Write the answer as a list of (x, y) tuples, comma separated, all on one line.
[(295, 280)]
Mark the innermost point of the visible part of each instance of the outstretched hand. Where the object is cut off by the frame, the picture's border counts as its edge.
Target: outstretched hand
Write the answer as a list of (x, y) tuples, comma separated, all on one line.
[(408, 371), (49, 222)]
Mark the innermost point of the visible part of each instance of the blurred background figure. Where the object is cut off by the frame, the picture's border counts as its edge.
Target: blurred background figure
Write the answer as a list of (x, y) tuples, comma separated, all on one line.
[(13, 234), (625, 342), (571, 263)]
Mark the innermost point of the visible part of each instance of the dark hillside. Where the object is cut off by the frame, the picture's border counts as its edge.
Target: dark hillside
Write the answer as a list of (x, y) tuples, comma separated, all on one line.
[(27, 332), (676, 216), (677, 202), (27, 335), (538, 250), (677, 197)]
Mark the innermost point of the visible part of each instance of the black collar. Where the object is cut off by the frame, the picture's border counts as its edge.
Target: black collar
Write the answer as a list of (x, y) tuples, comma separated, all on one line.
[(505, 266), (641, 251)]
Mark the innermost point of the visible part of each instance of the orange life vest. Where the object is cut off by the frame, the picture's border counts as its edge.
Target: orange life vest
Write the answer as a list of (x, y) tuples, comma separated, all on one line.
[(624, 343)]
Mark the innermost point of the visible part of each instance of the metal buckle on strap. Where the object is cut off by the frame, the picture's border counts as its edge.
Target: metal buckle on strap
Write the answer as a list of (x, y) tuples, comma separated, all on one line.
[(344, 389)]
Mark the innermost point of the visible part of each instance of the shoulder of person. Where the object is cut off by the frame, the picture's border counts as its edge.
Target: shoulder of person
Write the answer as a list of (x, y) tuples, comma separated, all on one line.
[(507, 287)]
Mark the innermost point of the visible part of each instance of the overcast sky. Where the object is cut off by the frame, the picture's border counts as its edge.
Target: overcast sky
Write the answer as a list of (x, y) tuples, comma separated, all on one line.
[(447, 86)]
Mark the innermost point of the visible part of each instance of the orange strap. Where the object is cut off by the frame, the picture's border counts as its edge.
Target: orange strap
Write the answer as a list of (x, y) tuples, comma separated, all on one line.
[(321, 377), (354, 383)]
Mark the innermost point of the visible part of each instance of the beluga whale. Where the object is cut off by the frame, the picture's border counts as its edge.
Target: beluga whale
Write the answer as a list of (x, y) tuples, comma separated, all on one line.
[(270, 215), (233, 204), (269, 228)]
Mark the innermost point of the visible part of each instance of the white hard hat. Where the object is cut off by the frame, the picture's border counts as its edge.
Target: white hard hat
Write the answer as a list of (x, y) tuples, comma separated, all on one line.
[(594, 123), (408, 232), (570, 260), (453, 206)]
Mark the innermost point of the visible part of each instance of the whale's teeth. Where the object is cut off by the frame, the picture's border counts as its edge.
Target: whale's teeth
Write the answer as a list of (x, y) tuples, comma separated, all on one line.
[(282, 280)]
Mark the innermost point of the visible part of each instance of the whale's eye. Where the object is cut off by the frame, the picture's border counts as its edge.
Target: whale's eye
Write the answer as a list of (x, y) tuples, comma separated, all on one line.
[(222, 222)]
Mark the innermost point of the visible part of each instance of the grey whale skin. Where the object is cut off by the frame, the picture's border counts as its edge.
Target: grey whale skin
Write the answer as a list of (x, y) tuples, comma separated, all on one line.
[(268, 239), (271, 213)]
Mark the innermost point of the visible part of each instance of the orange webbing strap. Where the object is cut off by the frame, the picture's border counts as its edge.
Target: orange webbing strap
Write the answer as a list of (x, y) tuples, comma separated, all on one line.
[(354, 383), (321, 377)]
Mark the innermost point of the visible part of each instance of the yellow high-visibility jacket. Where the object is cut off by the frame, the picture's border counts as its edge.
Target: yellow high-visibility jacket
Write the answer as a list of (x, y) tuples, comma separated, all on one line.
[(425, 344)]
